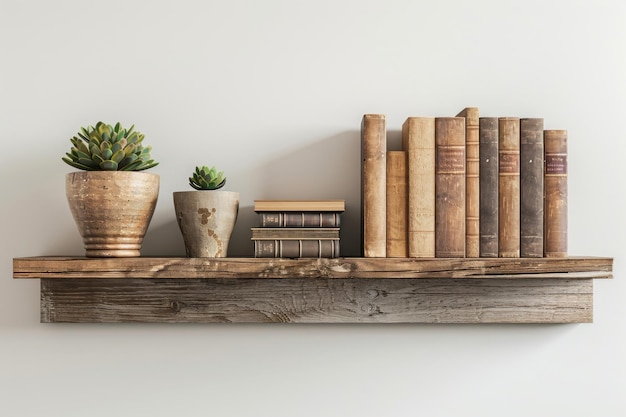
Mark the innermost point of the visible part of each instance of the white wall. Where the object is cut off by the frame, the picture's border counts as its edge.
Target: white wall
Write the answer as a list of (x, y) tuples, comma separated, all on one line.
[(273, 93)]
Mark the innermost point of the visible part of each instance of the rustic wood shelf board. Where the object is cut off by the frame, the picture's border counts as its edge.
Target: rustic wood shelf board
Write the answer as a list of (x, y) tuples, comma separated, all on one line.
[(340, 290)]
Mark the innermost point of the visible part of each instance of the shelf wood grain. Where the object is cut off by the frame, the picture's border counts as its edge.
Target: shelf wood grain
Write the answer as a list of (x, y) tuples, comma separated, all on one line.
[(339, 290)]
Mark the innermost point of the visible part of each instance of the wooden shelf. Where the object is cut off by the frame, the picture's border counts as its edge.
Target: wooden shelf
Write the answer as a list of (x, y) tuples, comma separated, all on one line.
[(339, 290)]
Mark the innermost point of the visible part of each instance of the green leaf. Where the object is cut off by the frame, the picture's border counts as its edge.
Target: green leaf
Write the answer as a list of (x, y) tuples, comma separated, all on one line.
[(88, 162), (118, 156), (107, 154), (108, 165)]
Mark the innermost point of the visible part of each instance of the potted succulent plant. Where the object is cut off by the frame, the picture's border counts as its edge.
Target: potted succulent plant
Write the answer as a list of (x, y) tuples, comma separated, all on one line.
[(111, 199), (207, 215)]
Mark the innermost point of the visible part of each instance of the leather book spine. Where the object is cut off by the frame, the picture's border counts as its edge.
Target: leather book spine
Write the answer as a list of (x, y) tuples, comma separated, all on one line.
[(396, 205), (373, 185), (488, 175), (509, 187), (555, 189), (418, 140), (299, 219), (450, 187), (472, 182), (278, 248), (531, 188)]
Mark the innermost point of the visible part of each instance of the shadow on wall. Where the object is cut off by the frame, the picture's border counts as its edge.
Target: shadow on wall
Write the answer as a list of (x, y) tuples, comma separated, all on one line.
[(327, 169)]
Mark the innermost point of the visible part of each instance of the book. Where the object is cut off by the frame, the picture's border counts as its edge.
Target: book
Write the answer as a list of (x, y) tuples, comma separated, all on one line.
[(472, 182), (279, 248), (299, 205), (396, 205), (450, 187), (303, 233), (418, 141), (488, 177), (508, 187), (373, 185), (531, 187), (300, 219), (555, 190)]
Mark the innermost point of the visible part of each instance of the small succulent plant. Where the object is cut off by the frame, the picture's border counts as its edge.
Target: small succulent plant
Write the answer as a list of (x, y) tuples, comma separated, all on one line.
[(205, 178), (109, 148)]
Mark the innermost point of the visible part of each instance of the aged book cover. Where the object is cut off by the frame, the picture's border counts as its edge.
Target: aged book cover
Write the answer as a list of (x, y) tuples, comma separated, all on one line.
[(450, 187), (299, 205), (531, 187), (488, 177), (472, 182), (396, 205), (304, 233), (278, 248), (555, 189), (299, 219), (418, 140), (508, 187), (373, 185)]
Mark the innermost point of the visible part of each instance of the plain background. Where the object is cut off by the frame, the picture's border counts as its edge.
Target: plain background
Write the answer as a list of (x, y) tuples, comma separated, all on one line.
[(273, 93)]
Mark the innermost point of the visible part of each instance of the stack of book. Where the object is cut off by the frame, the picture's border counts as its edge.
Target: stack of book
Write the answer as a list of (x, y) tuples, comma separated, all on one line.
[(297, 228), (464, 186)]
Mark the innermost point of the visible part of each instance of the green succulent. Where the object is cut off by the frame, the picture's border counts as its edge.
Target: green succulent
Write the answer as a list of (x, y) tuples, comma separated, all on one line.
[(206, 178), (109, 148)]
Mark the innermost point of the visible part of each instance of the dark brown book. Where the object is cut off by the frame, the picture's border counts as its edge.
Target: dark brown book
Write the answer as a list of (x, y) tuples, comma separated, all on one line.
[(508, 187), (531, 188), (488, 176), (300, 219), (555, 189), (418, 140), (299, 205), (277, 248), (450, 187), (397, 231), (298, 233), (472, 182), (373, 185)]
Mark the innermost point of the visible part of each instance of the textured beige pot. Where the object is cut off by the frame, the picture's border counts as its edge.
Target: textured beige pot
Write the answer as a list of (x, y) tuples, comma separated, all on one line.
[(112, 209), (206, 220)]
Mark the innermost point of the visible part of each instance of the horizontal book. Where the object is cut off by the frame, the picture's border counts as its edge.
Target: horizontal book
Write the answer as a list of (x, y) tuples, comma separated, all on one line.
[(280, 248), (303, 233), (300, 205), (299, 219)]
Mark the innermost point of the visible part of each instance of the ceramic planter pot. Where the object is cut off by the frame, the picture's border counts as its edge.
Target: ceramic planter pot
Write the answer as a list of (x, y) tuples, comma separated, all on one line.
[(206, 220), (112, 209)]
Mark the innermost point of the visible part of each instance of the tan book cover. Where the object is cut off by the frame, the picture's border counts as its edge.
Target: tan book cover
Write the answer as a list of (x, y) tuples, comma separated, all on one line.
[(396, 205), (418, 140), (303, 233), (450, 187), (555, 189), (509, 187), (373, 185), (299, 205), (472, 184)]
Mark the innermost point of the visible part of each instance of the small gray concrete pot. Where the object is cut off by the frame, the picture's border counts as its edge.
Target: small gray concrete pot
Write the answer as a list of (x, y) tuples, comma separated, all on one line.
[(206, 219)]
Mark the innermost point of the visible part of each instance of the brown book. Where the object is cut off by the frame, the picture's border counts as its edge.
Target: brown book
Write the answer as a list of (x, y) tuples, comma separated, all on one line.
[(508, 187), (472, 182), (303, 233), (555, 189), (299, 205), (418, 140), (488, 177), (373, 185), (531, 188), (450, 187), (278, 248), (396, 205), (300, 219)]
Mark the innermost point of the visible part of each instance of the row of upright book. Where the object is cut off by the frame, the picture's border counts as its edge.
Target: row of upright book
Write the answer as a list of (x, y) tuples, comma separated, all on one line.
[(297, 228), (464, 186)]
